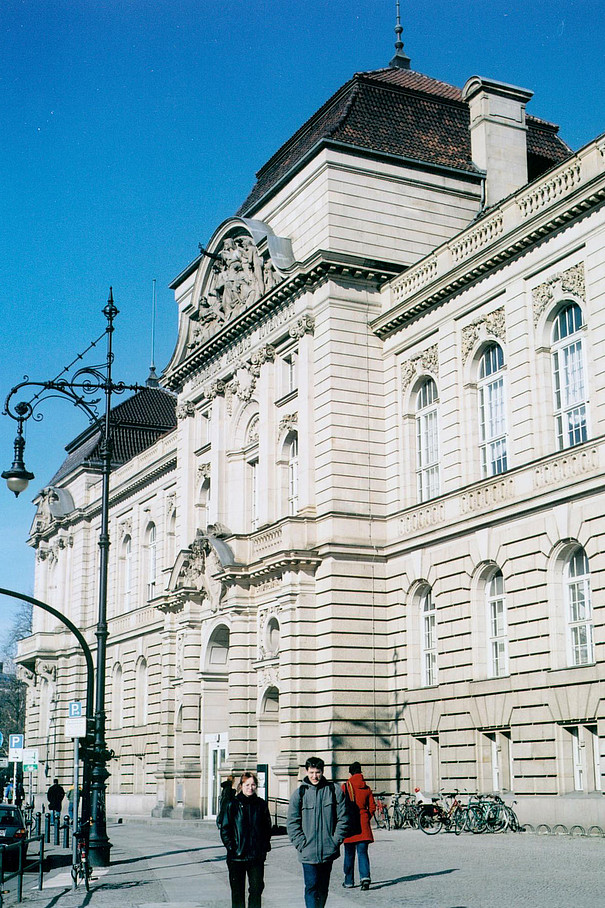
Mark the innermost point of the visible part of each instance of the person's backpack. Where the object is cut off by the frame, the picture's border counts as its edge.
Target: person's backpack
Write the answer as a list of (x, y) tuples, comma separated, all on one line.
[(227, 796), (352, 811)]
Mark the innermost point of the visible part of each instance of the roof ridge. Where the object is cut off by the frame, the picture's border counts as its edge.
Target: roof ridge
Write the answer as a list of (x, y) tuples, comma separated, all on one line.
[(332, 100)]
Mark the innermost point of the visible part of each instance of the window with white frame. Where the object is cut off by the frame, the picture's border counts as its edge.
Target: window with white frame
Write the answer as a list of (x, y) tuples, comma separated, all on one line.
[(492, 412), (293, 474), (497, 630), (127, 573), (429, 638), (142, 692), (152, 560), (253, 492), (569, 378), (427, 440), (501, 763), (290, 372), (117, 698), (204, 504), (578, 602)]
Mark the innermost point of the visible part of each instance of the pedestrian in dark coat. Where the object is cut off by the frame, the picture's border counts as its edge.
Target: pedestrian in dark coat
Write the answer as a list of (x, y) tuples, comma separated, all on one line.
[(55, 796), (246, 834), (356, 789)]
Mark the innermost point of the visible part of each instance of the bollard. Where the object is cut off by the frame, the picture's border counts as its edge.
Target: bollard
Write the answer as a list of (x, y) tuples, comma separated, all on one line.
[(57, 825), (66, 832), (47, 827), (38, 823)]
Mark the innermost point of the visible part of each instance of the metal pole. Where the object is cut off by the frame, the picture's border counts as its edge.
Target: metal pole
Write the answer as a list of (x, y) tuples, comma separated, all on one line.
[(74, 838), (99, 844)]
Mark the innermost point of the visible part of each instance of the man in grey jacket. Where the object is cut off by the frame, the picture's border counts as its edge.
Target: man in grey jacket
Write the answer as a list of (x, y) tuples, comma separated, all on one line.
[(317, 826)]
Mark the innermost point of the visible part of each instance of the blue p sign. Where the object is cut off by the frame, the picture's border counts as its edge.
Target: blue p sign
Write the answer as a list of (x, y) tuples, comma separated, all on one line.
[(75, 709)]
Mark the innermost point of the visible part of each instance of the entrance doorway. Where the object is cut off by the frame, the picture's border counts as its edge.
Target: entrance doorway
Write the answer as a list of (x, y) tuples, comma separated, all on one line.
[(217, 747)]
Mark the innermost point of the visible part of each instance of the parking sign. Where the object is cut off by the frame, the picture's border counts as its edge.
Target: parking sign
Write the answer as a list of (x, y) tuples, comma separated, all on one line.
[(15, 748)]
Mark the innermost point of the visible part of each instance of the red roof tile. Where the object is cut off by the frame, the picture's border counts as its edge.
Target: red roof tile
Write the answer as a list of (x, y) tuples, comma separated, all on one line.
[(397, 112)]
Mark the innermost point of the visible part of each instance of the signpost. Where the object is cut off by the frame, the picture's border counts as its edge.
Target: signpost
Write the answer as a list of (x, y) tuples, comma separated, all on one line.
[(75, 727), (15, 754)]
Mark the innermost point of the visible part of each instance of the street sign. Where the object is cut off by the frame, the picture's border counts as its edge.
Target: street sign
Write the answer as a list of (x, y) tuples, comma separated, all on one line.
[(1, 739), (4, 761), (75, 727), (30, 759), (15, 748), (74, 709)]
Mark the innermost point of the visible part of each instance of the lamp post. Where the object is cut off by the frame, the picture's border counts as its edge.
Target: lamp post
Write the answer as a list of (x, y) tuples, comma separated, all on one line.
[(86, 382)]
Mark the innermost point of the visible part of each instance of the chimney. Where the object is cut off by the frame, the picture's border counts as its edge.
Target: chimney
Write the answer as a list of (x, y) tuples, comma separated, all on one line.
[(498, 134)]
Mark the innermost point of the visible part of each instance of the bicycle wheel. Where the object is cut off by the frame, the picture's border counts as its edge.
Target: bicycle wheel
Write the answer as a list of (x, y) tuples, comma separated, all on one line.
[(495, 818), (430, 822), (381, 817), (475, 821), (397, 820), (86, 872), (459, 820), (74, 875)]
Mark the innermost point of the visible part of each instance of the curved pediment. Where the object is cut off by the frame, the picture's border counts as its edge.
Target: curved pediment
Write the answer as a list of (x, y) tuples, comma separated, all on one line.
[(197, 570), (244, 261)]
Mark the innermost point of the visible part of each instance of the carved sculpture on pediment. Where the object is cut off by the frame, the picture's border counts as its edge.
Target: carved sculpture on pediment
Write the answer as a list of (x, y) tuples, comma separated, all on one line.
[(491, 325), (203, 472), (198, 570), (252, 431), (570, 281), (46, 670), (239, 276), (44, 516), (427, 361)]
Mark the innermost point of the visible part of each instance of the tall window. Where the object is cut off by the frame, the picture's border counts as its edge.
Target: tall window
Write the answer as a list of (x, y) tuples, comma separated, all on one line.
[(429, 638), (152, 560), (427, 440), (142, 692), (497, 627), (253, 492), (579, 609), (569, 378), (204, 507), (117, 698), (492, 415), (127, 573), (293, 475)]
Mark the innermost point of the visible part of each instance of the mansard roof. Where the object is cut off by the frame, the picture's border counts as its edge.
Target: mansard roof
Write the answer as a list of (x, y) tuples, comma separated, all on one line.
[(137, 423), (397, 112)]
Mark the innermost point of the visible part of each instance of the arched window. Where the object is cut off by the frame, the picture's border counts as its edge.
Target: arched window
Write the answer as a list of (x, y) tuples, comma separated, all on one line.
[(142, 692), (171, 538), (217, 653), (127, 573), (429, 638), (579, 609), (204, 505), (427, 440), (497, 630), (293, 474), (569, 382), (117, 698), (152, 560), (253, 492), (492, 411)]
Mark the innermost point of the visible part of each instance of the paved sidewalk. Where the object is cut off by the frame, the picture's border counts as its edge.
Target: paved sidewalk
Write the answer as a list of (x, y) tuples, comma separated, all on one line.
[(168, 864)]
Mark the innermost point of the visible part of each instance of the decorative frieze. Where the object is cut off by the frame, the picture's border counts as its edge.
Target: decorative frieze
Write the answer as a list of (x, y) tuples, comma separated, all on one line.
[(474, 240), (425, 362), (566, 467), (570, 281), (493, 324), (548, 191), (485, 497), (421, 518), (415, 278), (264, 542)]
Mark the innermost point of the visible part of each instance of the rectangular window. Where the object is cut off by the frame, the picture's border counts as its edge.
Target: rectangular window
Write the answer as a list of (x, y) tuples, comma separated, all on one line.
[(253, 480)]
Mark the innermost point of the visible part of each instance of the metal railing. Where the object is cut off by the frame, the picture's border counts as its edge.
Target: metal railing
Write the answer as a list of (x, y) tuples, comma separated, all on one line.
[(24, 863)]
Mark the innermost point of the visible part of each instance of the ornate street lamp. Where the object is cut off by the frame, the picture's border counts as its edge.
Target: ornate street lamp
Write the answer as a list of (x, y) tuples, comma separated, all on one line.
[(81, 390)]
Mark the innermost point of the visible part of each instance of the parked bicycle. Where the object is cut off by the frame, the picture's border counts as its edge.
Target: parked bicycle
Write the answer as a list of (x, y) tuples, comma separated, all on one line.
[(404, 811), (381, 816), (434, 817), (81, 870)]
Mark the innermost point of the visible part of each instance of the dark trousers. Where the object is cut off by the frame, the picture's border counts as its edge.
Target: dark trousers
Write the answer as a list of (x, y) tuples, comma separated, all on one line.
[(317, 883), (237, 881)]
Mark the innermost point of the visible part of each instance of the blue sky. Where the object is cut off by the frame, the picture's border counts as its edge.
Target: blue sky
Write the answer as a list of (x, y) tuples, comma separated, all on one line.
[(132, 128)]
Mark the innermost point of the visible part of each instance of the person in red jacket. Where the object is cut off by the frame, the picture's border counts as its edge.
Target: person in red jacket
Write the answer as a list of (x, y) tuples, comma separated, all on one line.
[(357, 790)]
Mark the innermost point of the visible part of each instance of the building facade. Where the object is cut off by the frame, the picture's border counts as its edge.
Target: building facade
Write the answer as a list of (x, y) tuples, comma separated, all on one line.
[(375, 529)]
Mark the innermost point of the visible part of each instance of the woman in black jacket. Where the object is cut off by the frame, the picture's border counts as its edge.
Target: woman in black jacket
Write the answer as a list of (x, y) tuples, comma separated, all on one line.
[(246, 833)]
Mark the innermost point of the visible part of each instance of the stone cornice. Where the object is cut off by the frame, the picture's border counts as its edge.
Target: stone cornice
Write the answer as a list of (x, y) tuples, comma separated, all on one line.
[(545, 206), (320, 267)]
